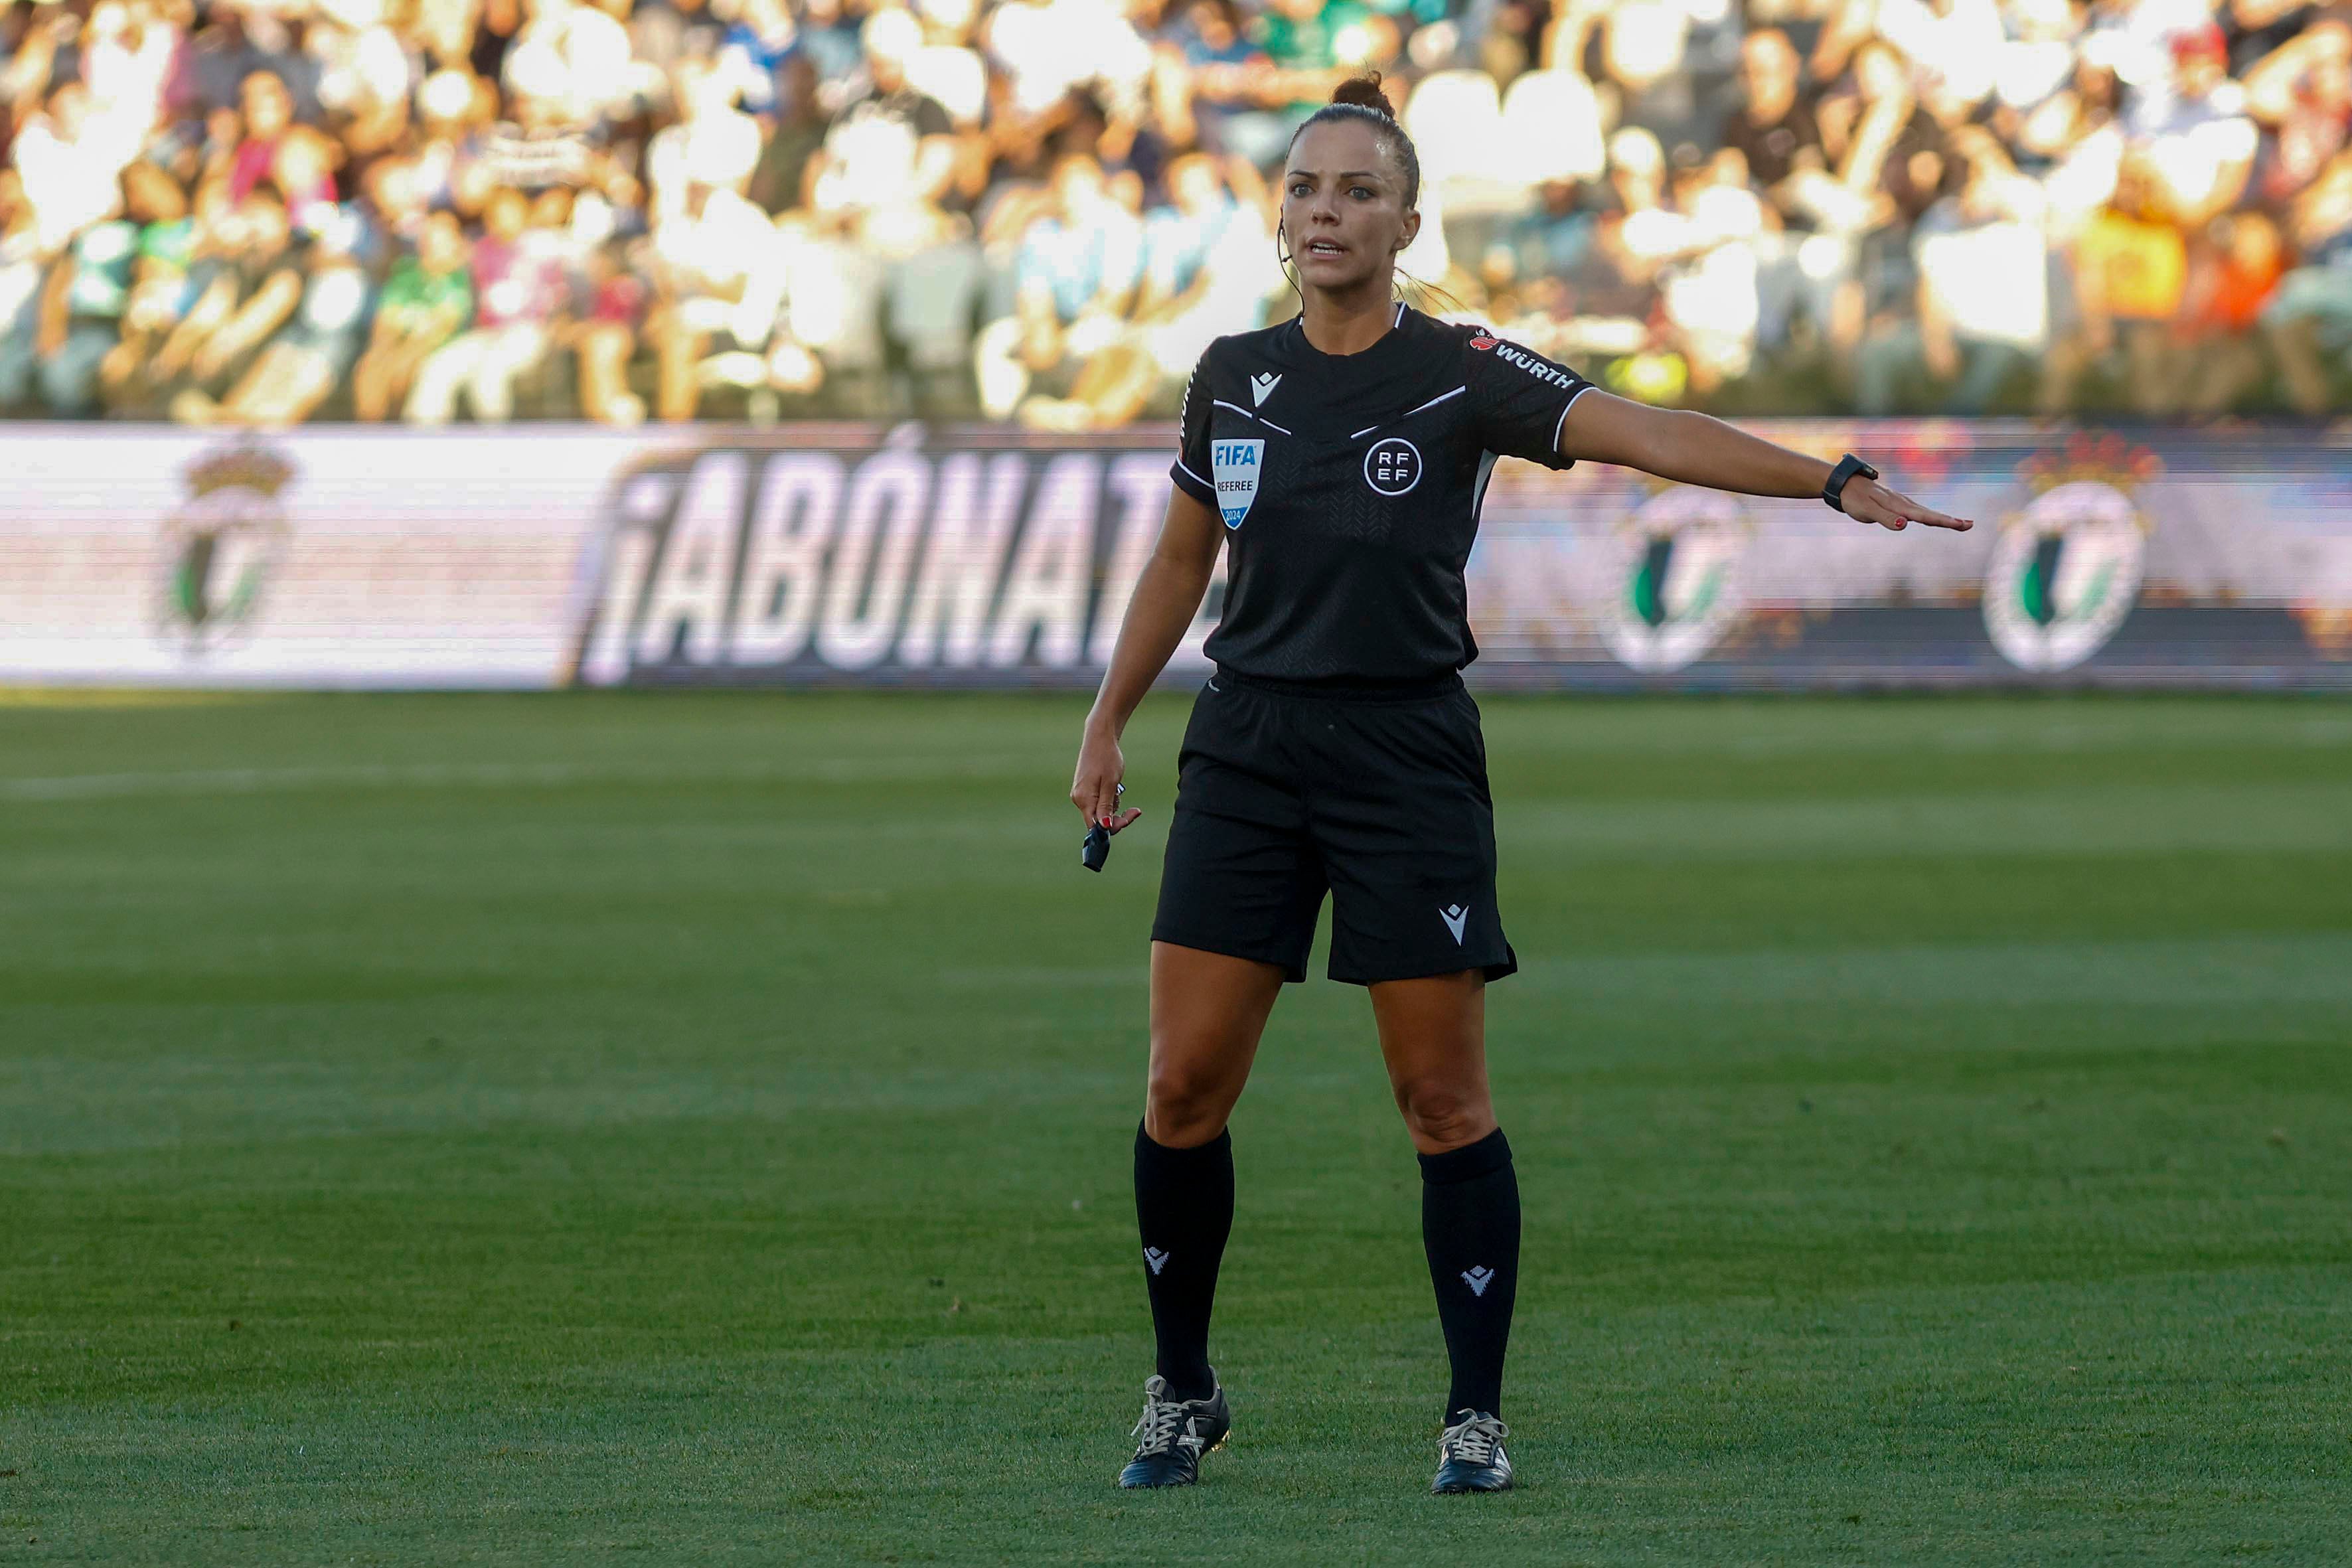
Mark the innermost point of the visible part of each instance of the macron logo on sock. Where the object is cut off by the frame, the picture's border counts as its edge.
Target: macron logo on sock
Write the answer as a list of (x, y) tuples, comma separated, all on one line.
[(1157, 1258), (1477, 1278)]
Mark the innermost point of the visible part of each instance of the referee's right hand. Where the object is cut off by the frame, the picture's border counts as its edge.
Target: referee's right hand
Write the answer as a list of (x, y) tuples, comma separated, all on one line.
[(1094, 790)]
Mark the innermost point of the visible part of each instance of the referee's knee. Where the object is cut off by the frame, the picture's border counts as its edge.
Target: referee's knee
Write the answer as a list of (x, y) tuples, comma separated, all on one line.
[(1184, 1106), (1442, 1115)]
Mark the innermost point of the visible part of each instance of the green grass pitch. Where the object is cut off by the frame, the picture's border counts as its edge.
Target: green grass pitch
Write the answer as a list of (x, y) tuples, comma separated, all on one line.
[(695, 1128)]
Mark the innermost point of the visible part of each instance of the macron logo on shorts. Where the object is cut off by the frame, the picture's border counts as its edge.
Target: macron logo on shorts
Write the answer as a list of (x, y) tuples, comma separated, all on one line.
[(1456, 918)]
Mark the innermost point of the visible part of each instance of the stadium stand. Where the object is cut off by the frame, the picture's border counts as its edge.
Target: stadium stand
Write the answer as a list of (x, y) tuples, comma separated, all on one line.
[(271, 211)]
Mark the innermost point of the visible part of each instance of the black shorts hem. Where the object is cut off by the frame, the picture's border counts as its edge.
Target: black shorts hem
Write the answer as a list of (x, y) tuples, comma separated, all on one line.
[(1294, 973), (1507, 964)]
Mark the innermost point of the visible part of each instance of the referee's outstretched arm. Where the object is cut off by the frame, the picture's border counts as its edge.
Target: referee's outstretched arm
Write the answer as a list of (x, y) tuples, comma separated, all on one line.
[(1694, 448), (1167, 596)]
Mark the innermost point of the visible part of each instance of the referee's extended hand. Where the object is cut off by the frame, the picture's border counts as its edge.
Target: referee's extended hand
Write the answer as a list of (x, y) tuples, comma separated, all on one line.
[(1095, 788), (1867, 500)]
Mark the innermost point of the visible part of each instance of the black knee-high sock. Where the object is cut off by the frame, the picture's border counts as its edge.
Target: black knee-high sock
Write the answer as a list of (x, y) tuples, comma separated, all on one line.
[(1470, 1226), (1184, 1206)]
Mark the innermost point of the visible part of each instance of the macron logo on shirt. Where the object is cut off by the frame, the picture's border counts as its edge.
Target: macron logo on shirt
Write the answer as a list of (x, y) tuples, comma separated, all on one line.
[(1261, 388)]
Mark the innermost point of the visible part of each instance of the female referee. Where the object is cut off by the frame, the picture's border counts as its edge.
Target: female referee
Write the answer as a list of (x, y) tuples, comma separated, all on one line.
[(1341, 457)]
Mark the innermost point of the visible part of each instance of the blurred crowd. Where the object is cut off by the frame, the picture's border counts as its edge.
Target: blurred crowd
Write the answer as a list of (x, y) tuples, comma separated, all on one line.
[(268, 211)]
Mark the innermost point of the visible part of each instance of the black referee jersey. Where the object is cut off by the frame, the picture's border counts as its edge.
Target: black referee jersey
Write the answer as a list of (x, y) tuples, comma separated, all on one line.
[(1336, 752), (1350, 486)]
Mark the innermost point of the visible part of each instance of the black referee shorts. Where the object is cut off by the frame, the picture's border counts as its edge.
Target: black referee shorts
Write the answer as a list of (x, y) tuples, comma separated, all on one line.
[(1381, 800)]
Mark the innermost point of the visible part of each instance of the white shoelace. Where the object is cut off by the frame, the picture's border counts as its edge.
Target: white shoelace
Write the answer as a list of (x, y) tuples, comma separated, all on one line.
[(1164, 1425), (1473, 1440)]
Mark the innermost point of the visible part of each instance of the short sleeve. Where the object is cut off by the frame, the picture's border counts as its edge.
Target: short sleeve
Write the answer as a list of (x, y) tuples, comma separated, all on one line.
[(1192, 470), (1519, 398)]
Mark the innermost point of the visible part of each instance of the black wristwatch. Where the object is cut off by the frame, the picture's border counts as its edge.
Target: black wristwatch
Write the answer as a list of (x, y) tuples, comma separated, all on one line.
[(1848, 466)]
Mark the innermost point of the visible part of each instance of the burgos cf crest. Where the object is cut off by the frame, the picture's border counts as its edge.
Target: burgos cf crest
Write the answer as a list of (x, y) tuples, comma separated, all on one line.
[(220, 545), (1677, 579), (1235, 465), (2066, 571)]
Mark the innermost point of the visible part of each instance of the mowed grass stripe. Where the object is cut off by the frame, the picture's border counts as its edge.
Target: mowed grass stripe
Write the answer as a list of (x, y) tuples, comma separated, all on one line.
[(606, 1232), (1677, 1459), (2168, 995), (2247, 971)]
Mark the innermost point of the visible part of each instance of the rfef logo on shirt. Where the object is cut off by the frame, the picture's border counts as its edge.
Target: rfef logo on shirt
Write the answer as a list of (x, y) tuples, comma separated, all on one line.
[(1392, 465), (1235, 465)]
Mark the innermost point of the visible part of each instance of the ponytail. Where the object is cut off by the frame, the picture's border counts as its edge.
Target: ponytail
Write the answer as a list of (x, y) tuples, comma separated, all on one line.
[(1364, 91)]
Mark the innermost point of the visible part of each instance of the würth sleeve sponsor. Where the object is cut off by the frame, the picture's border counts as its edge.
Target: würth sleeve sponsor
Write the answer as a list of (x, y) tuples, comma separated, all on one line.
[(1520, 397), (1191, 470)]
